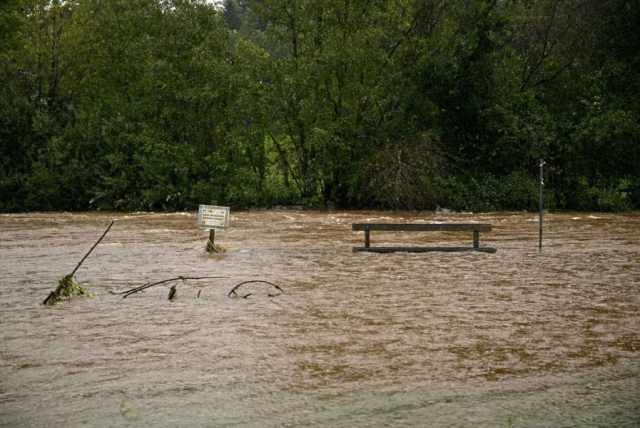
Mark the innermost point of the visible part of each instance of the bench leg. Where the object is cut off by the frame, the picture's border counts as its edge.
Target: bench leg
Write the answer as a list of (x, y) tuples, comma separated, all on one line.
[(476, 239), (367, 241)]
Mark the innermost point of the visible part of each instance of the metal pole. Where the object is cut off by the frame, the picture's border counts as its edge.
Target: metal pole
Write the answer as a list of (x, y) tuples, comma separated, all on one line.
[(541, 205)]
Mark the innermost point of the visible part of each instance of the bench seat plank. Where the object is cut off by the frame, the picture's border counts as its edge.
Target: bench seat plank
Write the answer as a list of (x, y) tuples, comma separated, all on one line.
[(476, 228), (423, 227)]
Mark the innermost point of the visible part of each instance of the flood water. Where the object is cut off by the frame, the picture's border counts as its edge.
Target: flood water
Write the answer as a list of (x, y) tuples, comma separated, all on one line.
[(514, 338)]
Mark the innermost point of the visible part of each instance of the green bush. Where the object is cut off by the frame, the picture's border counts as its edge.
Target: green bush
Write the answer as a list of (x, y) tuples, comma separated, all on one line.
[(605, 195), (516, 191)]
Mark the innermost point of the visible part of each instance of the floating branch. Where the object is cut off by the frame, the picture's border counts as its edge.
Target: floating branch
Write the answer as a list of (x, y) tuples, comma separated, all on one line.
[(67, 286), (234, 290), (127, 293)]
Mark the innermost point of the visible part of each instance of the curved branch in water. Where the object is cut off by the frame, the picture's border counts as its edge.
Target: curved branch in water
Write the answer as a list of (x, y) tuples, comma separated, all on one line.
[(233, 292)]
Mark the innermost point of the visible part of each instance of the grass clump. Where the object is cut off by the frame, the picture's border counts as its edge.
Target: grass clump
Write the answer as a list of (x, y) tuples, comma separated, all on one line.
[(67, 288), (215, 248)]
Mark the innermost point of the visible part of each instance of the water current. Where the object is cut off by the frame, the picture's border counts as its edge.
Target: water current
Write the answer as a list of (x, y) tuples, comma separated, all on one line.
[(514, 338)]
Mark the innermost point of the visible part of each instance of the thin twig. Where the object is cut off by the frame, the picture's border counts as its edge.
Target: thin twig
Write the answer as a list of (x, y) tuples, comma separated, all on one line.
[(92, 248), (127, 293), (233, 290)]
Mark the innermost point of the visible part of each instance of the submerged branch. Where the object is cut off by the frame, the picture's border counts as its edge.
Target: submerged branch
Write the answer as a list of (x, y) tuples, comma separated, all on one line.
[(233, 291), (127, 293)]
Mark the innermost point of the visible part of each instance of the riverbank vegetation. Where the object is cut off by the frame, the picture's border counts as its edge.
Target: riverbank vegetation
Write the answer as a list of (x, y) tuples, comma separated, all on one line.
[(401, 104)]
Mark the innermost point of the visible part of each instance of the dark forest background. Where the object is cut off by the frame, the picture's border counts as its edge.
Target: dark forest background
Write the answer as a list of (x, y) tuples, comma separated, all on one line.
[(399, 104)]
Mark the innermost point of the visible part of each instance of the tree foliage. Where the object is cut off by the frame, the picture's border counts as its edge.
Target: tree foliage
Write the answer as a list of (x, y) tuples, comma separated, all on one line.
[(164, 104)]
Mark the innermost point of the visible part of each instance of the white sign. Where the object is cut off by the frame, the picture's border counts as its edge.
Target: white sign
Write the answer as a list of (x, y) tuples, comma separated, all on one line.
[(212, 217)]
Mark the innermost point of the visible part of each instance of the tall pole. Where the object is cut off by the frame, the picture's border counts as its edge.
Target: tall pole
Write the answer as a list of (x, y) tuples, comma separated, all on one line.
[(541, 205)]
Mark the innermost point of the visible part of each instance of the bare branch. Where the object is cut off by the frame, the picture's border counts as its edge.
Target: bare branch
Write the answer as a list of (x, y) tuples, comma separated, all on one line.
[(127, 293), (233, 291), (92, 248)]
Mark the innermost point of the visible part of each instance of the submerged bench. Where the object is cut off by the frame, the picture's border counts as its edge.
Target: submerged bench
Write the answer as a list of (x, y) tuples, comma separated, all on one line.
[(476, 228)]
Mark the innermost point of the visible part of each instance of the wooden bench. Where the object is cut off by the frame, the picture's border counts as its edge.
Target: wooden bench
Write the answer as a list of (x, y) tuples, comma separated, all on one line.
[(476, 228)]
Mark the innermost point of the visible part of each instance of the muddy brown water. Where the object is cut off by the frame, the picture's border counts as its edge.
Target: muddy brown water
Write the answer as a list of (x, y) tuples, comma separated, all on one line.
[(432, 339)]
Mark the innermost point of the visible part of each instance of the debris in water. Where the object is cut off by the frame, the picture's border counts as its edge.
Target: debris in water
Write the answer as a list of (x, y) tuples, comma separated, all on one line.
[(172, 292), (127, 293), (67, 287), (215, 248), (234, 290), (212, 247)]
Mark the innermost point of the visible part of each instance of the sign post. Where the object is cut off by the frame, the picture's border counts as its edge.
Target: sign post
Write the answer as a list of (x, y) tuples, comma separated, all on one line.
[(541, 205), (213, 217)]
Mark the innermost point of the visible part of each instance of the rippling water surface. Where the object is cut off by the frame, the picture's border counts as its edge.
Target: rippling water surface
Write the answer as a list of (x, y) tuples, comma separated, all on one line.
[(357, 339)]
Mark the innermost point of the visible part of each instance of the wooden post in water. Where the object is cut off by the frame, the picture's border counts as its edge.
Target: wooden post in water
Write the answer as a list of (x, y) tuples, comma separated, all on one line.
[(541, 206), (211, 246), (367, 239)]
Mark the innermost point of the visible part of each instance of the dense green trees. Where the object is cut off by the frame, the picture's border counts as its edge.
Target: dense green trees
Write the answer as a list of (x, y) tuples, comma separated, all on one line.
[(164, 104)]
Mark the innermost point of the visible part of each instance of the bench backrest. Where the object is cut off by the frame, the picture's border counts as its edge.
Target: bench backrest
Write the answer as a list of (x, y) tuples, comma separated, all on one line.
[(423, 227)]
